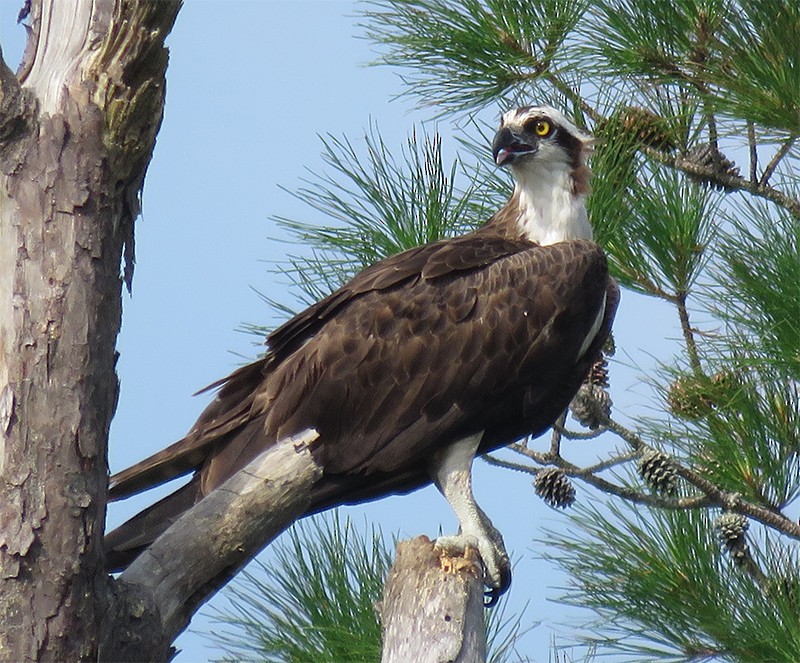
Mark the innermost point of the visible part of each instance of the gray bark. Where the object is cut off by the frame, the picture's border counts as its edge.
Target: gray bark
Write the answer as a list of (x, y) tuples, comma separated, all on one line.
[(432, 607), (187, 564), (77, 128)]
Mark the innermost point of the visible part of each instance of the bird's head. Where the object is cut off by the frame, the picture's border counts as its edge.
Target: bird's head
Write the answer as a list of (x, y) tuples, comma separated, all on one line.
[(546, 155), (536, 136)]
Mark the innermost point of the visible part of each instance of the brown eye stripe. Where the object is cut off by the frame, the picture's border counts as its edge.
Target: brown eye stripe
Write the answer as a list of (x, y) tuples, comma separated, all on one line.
[(571, 145)]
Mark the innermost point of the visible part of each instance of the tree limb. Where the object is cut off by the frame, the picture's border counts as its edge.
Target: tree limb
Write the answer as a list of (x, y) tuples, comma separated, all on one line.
[(726, 180), (198, 554), (773, 164)]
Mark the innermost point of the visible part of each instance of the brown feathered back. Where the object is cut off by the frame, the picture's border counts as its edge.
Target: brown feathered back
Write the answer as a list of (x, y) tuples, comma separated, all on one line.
[(481, 332)]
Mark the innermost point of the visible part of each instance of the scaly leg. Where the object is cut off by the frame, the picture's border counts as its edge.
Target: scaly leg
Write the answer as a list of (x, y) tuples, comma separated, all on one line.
[(452, 469)]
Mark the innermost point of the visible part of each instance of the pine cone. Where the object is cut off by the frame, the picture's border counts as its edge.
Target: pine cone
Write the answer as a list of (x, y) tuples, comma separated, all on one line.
[(693, 397), (708, 156), (598, 376), (688, 398), (656, 468), (650, 129), (590, 404), (554, 487), (731, 529)]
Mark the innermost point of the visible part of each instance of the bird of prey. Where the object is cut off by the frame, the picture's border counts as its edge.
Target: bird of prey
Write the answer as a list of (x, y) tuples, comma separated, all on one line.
[(422, 361)]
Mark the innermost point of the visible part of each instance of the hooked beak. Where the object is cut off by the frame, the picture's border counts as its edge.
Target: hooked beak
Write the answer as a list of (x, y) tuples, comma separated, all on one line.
[(508, 146)]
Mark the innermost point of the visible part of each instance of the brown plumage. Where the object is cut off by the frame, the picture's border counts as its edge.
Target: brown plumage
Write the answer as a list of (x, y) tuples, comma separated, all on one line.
[(481, 333)]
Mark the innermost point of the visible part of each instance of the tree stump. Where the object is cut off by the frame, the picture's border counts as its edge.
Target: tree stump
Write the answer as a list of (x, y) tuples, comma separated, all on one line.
[(432, 608)]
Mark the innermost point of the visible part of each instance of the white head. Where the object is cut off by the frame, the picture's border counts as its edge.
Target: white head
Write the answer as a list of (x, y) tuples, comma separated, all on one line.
[(546, 154)]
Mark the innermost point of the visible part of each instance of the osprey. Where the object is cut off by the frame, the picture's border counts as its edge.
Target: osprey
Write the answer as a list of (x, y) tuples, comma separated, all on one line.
[(422, 361)]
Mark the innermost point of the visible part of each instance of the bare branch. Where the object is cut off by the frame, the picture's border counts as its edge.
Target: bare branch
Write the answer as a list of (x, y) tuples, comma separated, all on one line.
[(187, 564), (779, 155), (509, 465), (581, 435), (751, 142), (607, 464)]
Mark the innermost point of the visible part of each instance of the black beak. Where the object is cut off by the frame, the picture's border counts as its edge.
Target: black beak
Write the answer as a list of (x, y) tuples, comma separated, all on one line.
[(508, 146)]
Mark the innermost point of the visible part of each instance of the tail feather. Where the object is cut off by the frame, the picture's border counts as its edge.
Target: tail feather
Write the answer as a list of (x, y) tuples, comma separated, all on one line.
[(126, 542), (229, 410)]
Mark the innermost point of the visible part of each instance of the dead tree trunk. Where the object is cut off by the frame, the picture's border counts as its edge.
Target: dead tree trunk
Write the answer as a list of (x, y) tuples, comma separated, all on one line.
[(77, 129), (432, 607)]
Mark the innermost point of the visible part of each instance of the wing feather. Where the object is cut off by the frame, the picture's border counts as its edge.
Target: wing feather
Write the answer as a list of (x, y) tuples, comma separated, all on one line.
[(428, 346)]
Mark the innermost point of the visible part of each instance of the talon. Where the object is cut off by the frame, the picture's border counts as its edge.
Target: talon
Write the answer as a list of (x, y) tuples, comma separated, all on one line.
[(494, 594)]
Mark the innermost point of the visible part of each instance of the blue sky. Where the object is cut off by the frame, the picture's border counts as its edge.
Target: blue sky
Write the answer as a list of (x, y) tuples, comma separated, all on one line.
[(250, 87)]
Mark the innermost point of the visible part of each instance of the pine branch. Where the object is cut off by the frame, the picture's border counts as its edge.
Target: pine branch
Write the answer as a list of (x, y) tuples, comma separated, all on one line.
[(726, 499), (751, 142), (688, 333), (681, 163), (725, 180), (587, 476), (779, 155)]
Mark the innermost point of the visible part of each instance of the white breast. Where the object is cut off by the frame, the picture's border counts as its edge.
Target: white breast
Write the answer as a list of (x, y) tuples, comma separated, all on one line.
[(549, 210)]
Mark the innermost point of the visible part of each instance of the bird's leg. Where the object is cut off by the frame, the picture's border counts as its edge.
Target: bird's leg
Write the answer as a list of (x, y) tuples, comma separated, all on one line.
[(452, 471)]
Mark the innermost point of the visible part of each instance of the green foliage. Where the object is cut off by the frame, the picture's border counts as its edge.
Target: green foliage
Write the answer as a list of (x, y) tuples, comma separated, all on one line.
[(662, 589), (758, 270), (759, 76), (746, 437), (314, 603), (666, 42), (463, 55), (656, 233), (381, 206)]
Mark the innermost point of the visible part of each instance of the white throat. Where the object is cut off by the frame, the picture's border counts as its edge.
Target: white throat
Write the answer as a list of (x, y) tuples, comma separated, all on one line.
[(550, 211)]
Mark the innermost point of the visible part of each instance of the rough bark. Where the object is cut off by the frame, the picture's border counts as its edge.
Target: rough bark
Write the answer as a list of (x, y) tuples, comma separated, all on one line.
[(432, 607), (77, 128)]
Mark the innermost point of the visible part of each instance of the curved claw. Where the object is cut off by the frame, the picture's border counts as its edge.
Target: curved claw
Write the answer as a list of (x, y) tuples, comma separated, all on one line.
[(494, 594)]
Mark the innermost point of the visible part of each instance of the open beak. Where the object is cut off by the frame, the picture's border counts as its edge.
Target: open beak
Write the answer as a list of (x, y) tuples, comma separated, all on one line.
[(508, 146)]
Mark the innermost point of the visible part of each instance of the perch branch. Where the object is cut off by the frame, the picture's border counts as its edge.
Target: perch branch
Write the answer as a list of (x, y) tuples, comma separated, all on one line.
[(187, 564), (432, 607)]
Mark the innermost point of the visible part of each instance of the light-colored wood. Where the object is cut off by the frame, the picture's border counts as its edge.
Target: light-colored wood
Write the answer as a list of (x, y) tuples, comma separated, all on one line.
[(187, 564), (432, 607)]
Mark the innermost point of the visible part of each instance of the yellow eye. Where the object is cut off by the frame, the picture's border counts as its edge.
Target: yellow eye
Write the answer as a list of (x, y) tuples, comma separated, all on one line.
[(542, 128)]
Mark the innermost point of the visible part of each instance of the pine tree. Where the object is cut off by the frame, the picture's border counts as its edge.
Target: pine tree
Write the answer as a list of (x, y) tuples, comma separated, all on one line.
[(692, 552)]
